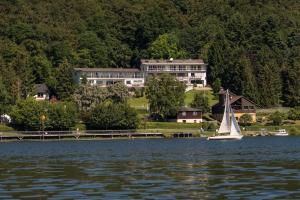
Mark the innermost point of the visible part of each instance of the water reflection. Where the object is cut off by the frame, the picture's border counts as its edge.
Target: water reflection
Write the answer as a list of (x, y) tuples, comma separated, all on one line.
[(255, 168)]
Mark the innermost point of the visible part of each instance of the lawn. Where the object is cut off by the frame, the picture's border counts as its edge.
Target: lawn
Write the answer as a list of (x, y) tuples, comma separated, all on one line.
[(189, 97), (142, 102), (138, 103)]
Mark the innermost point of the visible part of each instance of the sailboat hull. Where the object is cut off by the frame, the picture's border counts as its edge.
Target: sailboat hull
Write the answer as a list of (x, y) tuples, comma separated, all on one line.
[(225, 137)]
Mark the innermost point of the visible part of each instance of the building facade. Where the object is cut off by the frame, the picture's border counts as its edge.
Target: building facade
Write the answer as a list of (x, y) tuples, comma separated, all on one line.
[(189, 71), (189, 115), (239, 104), (104, 77)]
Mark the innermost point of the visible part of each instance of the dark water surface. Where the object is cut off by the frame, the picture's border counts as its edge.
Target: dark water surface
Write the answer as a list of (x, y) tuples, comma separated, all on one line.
[(253, 168)]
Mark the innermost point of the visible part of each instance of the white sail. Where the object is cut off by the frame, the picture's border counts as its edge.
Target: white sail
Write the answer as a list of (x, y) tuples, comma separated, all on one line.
[(234, 128), (225, 124)]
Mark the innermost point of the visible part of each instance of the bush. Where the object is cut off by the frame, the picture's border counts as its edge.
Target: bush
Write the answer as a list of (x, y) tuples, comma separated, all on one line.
[(209, 126), (276, 118), (113, 116), (138, 92), (35, 115), (61, 116), (293, 131), (245, 120), (294, 114), (201, 102)]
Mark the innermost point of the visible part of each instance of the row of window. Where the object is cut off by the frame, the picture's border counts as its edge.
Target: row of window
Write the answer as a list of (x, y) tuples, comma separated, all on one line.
[(175, 68), (184, 121), (129, 82), (195, 113), (112, 75), (248, 107)]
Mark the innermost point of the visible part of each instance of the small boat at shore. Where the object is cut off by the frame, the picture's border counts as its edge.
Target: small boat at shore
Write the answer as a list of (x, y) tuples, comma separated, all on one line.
[(229, 128), (281, 132)]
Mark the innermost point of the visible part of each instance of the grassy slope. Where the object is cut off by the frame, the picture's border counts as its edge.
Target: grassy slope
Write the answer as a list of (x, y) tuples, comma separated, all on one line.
[(189, 96), (142, 102)]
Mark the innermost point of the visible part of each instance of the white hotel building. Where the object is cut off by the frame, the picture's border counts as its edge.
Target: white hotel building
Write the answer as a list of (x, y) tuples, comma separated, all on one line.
[(190, 71), (131, 77)]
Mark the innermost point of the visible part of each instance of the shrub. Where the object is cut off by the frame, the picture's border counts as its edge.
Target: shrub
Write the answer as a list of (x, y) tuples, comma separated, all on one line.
[(36, 115), (201, 102), (294, 114), (138, 92), (245, 120), (276, 118), (209, 126), (113, 116), (294, 131)]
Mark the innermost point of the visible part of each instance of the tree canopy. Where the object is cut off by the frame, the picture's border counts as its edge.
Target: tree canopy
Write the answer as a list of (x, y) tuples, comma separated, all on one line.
[(252, 47), (165, 94), (200, 101)]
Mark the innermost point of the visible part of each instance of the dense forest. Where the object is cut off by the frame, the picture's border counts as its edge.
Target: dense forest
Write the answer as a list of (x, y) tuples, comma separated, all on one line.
[(251, 46)]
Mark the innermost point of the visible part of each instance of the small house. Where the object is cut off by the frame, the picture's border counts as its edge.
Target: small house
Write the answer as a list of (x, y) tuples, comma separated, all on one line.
[(240, 106), (41, 92), (189, 115)]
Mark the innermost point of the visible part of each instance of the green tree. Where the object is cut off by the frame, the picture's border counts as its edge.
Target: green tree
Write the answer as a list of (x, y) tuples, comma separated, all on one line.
[(294, 114), (5, 98), (41, 68), (165, 94), (216, 85), (201, 102), (276, 118), (166, 46), (113, 116), (60, 116), (88, 96), (291, 80), (245, 120), (26, 114), (62, 83), (118, 92), (35, 115)]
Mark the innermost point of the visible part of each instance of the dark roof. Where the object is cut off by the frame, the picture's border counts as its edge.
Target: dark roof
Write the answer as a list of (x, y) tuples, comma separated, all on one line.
[(175, 61), (107, 69), (41, 88), (186, 109), (233, 98)]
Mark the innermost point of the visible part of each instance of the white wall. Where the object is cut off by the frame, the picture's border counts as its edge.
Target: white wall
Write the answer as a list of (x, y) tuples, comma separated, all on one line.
[(189, 120)]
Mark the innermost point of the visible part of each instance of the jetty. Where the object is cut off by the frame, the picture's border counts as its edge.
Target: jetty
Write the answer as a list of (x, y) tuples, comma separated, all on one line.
[(75, 135)]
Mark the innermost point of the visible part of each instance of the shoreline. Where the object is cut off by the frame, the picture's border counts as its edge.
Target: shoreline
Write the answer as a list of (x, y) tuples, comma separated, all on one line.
[(114, 136)]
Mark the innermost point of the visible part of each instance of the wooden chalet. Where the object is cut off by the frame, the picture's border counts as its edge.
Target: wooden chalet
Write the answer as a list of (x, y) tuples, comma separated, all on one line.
[(239, 104), (189, 115)]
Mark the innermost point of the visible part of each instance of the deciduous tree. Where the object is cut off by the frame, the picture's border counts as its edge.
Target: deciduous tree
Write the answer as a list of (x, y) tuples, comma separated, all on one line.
[(165, 94)]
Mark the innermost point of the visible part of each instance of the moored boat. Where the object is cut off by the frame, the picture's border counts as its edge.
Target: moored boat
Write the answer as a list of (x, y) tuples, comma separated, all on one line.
[(281, 132)]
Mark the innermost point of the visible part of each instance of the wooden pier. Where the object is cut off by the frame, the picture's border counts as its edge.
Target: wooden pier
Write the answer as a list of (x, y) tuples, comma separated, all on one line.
[(78, 136)]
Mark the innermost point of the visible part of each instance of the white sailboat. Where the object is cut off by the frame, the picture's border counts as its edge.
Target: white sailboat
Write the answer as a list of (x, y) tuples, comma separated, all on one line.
[(229, 128)]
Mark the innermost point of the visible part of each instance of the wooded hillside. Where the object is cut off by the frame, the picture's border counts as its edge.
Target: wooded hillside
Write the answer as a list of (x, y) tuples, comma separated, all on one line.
[(251, 46)]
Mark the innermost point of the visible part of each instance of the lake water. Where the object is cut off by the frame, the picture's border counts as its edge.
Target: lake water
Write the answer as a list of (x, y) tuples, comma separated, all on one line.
[(253, 168)]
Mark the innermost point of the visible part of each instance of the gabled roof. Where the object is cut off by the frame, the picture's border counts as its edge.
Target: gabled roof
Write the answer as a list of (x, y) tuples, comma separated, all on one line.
[(233, 98), (41, 88), (187, 109)]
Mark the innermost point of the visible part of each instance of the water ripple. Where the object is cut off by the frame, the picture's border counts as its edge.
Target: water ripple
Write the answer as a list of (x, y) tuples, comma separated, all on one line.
[(254, 168)]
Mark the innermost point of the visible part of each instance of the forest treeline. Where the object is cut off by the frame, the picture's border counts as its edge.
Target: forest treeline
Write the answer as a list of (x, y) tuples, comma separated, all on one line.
[(252, 46)]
